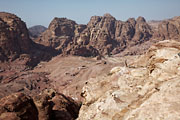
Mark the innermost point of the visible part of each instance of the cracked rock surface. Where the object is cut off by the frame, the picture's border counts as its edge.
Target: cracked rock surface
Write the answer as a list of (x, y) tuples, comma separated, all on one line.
[(146, 89)]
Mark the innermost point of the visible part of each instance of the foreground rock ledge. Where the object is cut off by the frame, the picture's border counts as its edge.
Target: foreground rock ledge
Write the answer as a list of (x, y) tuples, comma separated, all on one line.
[(48, 105), (148, 88)]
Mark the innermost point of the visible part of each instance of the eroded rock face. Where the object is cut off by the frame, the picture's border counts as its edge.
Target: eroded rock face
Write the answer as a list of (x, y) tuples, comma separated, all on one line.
[(110, 36), (48, 105), (106, 35), (65, 108), (146, 88), (62, 34), (55, 106), (15, 42), (18, 107), (14, 38), (103, 34), (59, 33), (18, 55), (169, 29)]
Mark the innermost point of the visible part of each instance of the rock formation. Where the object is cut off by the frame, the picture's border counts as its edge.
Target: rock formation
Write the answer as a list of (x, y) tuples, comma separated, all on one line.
[(14, 38), (102, 36), (48, 105), (15, 41), (146, 88), (169, 29), (61, 34), (18, 107), (36, 30)]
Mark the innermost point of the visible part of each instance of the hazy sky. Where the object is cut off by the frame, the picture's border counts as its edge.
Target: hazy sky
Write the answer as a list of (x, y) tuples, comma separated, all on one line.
[(41, 12)]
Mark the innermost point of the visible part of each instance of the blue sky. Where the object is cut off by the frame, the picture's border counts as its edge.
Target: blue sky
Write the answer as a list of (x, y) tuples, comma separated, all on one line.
[(41, 12)]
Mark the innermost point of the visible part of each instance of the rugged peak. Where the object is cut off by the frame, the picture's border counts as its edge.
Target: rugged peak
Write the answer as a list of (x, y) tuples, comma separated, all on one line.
[(141, 19), (61, 21), (107, 15), (5, 16), (97, 19), (94, 20), (132, 21), (14, 37), (62, 26)]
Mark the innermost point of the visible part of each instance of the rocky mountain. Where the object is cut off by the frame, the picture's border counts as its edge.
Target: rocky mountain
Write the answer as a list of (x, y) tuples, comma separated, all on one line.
[(36, 30), (15, 42), (61, 34), (101, 36), (63, 58), (145, 88), (18, 55), (14, 38), (104, 35), (169, 29)]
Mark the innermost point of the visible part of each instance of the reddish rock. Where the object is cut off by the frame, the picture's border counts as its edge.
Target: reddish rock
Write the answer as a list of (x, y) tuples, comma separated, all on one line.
[(18, 107), (47, 105), (58, 34), (15, 42), (111, 36), (44, 106), (9, 116), (103, 35), (14, 38), (55, 106), (65, 108)]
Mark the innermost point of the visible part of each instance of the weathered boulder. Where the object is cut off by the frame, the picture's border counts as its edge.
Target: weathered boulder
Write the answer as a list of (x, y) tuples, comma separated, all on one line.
[(48, 105), (18, 106)]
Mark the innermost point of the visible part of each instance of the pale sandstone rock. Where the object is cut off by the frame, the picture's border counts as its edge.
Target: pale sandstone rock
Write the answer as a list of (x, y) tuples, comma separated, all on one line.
[(147, 90)]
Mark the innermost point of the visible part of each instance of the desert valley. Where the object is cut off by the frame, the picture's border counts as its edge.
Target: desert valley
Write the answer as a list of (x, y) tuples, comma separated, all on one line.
[(107, 69)]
